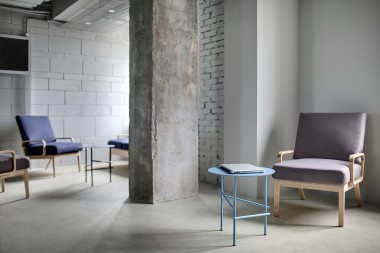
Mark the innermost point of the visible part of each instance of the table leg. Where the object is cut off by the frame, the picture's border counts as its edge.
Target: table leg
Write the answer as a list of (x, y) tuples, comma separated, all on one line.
[(221, 201), (266, 204), (109, 163), (234, 226), (92, 169), (85, 165)]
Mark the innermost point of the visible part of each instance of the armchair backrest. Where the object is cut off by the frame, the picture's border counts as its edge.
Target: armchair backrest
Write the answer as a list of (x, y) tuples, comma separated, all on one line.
[(330, 135), (35, 128)]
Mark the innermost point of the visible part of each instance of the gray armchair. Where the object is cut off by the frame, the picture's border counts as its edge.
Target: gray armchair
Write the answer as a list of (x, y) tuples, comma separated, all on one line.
[(12, 165), (327, 156)]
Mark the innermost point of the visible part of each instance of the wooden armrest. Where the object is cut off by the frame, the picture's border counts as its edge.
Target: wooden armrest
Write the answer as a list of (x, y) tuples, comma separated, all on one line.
[(65, 138), (122, 135), (43, 145), (282, 153), (351, 162), (11, 152)]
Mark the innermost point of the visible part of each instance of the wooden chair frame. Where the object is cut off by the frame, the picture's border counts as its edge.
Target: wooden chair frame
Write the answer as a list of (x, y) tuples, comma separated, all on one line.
[(51, 157), (14, 173), (341, 189), (117, 151)]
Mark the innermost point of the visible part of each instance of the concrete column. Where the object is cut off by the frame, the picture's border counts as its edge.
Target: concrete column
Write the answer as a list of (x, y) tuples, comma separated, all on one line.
[(163, 162)]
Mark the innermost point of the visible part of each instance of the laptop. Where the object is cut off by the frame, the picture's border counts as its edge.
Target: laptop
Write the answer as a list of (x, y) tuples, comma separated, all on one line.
[(241, 168)]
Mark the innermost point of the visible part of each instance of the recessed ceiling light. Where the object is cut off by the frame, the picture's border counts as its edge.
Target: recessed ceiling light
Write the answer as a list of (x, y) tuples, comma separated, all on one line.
[(88, 23), (111, 11)]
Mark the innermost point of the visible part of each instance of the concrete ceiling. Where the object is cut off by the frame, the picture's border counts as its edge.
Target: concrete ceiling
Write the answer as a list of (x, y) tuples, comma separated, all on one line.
[(22, 3), (101, 16), (92, 15)]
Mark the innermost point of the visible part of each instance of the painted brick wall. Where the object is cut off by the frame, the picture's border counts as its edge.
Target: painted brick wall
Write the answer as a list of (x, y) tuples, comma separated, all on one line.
[(79, 79), (13, 92), (211, 82)]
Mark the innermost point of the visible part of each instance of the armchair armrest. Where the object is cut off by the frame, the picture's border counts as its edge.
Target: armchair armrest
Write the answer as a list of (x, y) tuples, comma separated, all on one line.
[(351, 162), (282, 153), (11, 152), (43, 145), (122, 135), (65, 138)]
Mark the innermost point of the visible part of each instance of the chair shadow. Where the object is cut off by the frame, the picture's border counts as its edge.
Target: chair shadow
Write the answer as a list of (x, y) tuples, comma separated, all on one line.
[(12, 201)]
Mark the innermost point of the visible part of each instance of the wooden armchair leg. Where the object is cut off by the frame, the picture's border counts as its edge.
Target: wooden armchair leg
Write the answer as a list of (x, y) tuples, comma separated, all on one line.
[(357, 196), (26, 182), (302, 193), (47, 165), (78, 159), (2, 184), (342, 197), (54, 166), (276, 198)]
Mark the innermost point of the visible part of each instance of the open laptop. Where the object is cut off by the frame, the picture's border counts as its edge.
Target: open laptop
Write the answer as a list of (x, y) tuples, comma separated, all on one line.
[(239, 168)]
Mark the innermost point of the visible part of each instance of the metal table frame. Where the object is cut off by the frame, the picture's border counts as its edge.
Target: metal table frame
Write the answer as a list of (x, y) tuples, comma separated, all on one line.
[(222, 173), (92, 160)]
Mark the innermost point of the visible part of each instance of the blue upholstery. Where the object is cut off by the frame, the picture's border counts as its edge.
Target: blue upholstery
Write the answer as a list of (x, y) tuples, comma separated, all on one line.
[(39, 128), (120, 143), (54, 148), (35, 128)]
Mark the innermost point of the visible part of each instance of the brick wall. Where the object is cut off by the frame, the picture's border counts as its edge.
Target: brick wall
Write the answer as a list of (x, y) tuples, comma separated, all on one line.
[(211, 81), (79, 79), (13, 88)]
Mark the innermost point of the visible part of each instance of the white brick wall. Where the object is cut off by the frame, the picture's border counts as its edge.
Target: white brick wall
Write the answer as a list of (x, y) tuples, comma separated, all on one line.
[(211, 87), (97, 68), (65, 66), (61, 44), (79, 79), (97, 86), (87, 70), (60, 84), (96, 48)]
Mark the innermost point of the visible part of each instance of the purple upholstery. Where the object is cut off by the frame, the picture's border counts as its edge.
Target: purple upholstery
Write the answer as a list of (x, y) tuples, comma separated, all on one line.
[(330, 135), (120, 143), (39, 128), (22, 162), (323, 146), (314, 170)]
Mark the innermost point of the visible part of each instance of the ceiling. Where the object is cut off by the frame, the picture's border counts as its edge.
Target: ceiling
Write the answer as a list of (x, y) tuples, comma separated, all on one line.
[(22, 3), (100, 16)]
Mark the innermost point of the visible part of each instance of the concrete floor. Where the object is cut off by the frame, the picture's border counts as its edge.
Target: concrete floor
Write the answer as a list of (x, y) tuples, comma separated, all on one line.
[(64, 214)]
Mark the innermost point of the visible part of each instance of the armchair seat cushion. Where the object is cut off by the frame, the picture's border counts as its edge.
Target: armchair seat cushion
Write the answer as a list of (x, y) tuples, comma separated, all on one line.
[(22, 162), (54, 148), (314, 170), (120, 143)]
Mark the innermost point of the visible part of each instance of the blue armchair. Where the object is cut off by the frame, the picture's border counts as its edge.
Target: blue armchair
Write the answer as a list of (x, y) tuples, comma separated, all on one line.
[(39, 142), (121, 145)]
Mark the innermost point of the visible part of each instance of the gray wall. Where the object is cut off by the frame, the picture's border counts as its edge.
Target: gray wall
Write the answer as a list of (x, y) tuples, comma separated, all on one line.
[(340, 69), (277, 75), (261, 68), (313, 56), (240, 88)]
